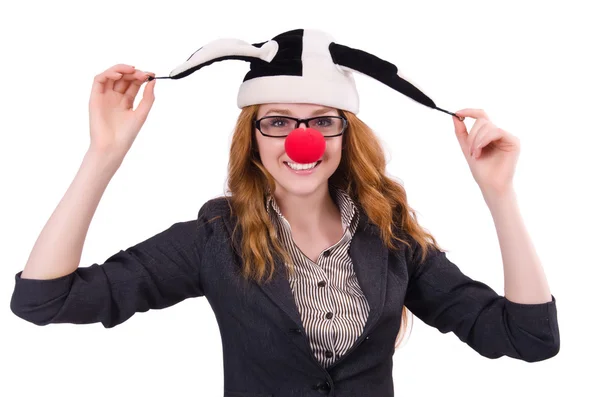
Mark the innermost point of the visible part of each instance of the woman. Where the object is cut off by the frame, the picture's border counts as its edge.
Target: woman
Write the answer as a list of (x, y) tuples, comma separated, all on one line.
[(309, 273)]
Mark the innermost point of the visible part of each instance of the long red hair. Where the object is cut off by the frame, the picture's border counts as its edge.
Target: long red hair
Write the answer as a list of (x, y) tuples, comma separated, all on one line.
[(361, 174)]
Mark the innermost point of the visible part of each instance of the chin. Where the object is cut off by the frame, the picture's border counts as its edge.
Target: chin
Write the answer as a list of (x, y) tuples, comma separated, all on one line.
[(298, 189)]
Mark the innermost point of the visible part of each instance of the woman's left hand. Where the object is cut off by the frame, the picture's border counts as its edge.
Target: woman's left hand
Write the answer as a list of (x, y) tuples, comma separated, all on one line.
[(490, 151)]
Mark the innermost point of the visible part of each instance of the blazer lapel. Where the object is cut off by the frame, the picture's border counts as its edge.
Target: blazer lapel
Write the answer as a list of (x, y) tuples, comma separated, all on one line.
[(369, 256), (370, 260), (278, 289)]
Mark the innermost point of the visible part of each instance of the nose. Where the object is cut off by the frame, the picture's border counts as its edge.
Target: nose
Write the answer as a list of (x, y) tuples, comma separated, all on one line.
[(305, 145)]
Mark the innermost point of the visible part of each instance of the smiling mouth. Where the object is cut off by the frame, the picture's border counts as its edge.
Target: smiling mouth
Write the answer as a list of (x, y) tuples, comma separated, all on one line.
[(303, 169)]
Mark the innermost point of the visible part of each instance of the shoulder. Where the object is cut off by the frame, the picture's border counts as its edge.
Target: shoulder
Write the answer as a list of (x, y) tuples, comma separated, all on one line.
[(418, 255), (216, 206), (214, 209)]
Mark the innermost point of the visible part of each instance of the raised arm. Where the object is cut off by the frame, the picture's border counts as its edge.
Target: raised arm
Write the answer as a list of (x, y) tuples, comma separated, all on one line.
[(155, 273), (445, 298), (114, 126)]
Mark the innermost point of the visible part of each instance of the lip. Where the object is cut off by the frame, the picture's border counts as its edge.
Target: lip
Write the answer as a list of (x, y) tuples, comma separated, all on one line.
[(303, 172)]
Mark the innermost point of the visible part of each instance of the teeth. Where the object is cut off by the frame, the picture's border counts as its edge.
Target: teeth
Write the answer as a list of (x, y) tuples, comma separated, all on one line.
[(296, 166)]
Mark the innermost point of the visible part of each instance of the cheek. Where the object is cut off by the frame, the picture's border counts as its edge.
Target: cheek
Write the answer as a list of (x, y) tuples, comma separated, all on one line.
[(333, 149), (270, 151)]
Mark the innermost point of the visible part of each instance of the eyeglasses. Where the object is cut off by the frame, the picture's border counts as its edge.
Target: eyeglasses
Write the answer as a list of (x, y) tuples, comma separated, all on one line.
[(281, 126)]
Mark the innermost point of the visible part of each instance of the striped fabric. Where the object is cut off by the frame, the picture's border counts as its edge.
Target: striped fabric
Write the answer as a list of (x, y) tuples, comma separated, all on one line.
[(330, 301)]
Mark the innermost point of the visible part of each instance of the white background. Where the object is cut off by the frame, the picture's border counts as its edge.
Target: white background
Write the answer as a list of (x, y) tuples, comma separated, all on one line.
[(532, 66)]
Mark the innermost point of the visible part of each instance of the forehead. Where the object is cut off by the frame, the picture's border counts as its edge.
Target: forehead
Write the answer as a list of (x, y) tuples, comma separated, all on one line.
[(295, 109)]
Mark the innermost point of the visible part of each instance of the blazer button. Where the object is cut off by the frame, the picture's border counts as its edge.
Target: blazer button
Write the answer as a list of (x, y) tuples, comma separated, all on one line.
[(323, 387)]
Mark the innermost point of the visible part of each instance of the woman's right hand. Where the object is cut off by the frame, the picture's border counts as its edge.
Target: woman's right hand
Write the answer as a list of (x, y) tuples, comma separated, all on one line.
[(114, 124)]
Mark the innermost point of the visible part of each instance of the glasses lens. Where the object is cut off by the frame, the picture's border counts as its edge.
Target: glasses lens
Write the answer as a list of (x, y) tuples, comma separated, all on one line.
[(282, 126), (277, 126), (327, 125)]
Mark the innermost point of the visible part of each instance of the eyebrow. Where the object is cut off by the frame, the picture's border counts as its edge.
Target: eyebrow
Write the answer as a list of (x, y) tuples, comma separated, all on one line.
[(289, 113)]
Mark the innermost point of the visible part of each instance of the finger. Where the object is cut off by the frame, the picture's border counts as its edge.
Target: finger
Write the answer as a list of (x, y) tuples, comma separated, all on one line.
[(122, 68), (488, 137), (478, 142), (477, 126), (123, 84), (133, 89), (460, 129), (100, 80), (473, 113), (145, 104), (105, 81), (110, 82)]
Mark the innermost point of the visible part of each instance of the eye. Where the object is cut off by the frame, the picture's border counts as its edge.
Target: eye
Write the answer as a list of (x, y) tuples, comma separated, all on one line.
[(324, 121), (278, 122)]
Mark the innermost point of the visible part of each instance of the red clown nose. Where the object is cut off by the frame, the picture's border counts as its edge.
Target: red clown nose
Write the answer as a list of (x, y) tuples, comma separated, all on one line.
[(305, 145)]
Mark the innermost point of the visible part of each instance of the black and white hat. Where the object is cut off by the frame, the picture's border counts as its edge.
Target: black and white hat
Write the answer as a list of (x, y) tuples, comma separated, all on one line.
[(301, 66)]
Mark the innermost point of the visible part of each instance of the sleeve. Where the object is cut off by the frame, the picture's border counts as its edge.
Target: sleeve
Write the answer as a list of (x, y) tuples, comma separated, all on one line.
[(153, 274), (443, 297)]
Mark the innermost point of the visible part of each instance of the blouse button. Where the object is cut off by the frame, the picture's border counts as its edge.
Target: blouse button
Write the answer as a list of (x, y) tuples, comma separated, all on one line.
[(329, 315), (328, 354), (326, 254), (321, 283)]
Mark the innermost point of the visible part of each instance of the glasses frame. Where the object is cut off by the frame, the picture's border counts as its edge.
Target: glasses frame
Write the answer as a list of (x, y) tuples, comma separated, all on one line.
[(298, 122)]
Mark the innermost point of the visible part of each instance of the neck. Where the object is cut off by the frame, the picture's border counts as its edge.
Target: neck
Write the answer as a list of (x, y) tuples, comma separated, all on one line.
[(308, 213)]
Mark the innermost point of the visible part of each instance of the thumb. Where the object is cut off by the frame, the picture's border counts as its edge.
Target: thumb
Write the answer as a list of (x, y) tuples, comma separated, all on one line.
[(146, 103), (460, 129)]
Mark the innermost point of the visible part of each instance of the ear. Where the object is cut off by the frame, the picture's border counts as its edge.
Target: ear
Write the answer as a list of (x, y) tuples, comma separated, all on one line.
[(223, 49), (352, 59)]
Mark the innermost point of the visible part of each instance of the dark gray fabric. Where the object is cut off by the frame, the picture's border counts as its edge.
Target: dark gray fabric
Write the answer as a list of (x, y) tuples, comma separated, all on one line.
[(265, 349)]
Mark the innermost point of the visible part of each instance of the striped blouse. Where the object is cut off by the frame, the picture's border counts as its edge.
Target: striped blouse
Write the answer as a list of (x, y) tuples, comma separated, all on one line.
[(330, 301)]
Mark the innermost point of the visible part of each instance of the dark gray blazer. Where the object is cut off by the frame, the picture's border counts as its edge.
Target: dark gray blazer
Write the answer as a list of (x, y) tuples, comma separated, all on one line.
[(265, 350)]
